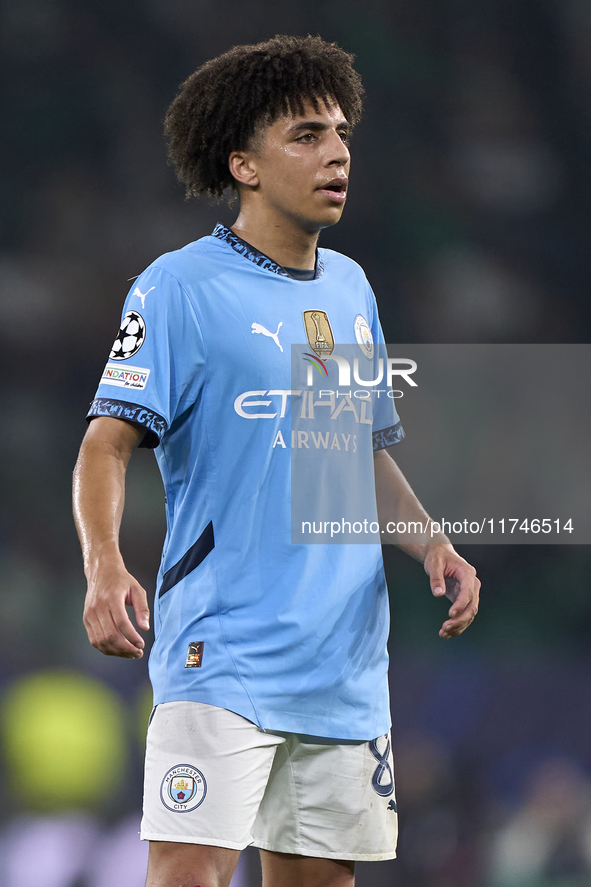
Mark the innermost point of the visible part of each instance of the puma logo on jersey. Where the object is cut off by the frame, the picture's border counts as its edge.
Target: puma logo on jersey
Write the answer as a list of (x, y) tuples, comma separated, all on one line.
[(137, 292), (259, 328)]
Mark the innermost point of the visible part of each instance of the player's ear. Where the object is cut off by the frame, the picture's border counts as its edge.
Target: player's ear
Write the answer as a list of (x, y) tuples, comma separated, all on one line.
[(243, 168)]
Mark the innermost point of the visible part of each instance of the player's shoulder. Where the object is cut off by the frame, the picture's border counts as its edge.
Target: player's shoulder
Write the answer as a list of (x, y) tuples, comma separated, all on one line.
[(335, 262), (194, 263)]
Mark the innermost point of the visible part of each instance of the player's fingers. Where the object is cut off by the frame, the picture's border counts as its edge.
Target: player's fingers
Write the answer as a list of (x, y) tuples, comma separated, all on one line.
[(117, 636), (139, 601), (462, 590), (462, 599), (452, 628), (127, 630), (462, 612), (437, 578)]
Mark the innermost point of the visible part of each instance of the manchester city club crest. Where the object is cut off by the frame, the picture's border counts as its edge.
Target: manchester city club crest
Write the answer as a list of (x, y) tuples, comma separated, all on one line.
[(319, 333), (364, 336), (183, 788)]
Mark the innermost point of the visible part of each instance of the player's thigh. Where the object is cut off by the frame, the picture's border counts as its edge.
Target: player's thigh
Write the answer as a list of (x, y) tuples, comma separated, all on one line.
[(189, 865), (291, 870)]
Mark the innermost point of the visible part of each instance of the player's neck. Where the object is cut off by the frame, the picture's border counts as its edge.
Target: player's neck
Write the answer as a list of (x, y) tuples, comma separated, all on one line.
[(277, 237)]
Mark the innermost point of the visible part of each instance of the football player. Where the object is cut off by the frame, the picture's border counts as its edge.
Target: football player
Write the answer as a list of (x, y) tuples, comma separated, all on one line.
[(269, 668)]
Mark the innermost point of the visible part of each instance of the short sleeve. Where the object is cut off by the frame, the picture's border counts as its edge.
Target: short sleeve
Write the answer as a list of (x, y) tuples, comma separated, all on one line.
[(387, 427), (156, 365)]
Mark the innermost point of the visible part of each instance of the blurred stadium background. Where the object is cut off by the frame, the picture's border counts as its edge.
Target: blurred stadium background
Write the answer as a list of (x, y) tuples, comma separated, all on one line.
[(470, 209)]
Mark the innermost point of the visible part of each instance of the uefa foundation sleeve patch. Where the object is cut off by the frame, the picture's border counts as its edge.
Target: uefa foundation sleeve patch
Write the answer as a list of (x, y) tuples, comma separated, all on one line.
[(195, 654), (125, 376)]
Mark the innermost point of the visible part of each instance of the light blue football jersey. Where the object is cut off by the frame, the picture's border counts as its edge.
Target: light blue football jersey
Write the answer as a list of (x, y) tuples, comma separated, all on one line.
[(290, 636)]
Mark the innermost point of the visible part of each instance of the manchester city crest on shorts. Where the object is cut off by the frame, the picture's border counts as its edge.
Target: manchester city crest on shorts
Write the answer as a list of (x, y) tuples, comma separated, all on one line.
[(319, 333), (183, 788), (364, 336)]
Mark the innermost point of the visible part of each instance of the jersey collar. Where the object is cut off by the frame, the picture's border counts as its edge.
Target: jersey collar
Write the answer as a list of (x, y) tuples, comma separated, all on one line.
[(254, 255)]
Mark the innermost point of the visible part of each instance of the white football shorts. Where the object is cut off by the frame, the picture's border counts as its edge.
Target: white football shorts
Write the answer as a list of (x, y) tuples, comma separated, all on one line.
[(215, 778)]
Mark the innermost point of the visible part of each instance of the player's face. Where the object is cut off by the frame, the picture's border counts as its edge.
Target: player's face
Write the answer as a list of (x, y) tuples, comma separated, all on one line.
[(303, 166)]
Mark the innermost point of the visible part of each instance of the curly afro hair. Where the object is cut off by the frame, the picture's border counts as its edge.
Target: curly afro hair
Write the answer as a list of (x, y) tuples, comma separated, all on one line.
[(221, 106)]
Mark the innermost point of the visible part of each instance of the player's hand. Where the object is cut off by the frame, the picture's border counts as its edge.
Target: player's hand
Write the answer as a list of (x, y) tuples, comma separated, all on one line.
[(454, 577), (107, 623)]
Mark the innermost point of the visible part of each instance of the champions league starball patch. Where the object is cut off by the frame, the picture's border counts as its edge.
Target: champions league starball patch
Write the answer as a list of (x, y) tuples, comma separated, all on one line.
[(183, 789), (364, 336), (130, 337)]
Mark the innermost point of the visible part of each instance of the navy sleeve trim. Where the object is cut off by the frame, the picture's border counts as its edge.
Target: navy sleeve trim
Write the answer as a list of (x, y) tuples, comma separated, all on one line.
[(387, 437), (189, 561), (154, 424)]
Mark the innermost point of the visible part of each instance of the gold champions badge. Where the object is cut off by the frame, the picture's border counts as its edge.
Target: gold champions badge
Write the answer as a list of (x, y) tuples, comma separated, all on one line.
[(319, 333)]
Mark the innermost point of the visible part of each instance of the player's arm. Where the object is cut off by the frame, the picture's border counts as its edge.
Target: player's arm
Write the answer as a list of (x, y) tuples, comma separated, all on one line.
[(449, 574), (99, 496)]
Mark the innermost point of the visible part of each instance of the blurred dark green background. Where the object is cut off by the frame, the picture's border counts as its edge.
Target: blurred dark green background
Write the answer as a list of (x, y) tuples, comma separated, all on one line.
[(469, 209)]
